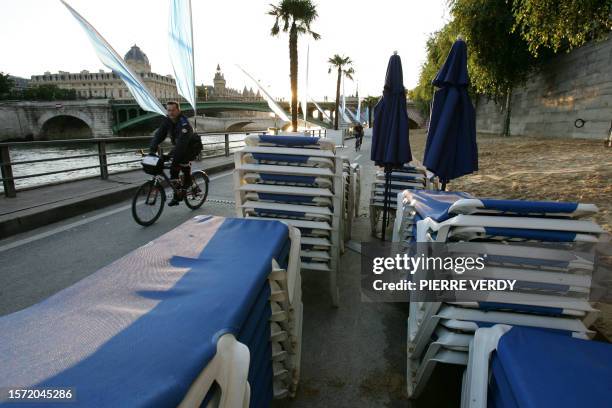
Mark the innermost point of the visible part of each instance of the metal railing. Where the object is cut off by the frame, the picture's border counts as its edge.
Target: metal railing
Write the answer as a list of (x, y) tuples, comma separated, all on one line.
[(211, 149)]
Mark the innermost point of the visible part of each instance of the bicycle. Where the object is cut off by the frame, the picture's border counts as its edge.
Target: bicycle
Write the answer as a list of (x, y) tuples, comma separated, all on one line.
[(149, 201)]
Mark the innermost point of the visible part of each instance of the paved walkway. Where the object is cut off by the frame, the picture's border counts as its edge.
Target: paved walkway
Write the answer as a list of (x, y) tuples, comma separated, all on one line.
[(41, 206)]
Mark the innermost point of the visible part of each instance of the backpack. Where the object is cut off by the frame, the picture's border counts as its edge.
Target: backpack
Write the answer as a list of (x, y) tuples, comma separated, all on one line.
[(195, 146)]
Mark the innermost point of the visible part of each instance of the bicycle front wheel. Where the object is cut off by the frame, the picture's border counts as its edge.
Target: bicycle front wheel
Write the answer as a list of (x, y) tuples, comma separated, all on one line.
[(196, 194), (148, 203)]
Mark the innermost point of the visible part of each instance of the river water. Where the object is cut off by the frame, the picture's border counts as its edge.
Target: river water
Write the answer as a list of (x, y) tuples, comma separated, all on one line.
[(125, 152)]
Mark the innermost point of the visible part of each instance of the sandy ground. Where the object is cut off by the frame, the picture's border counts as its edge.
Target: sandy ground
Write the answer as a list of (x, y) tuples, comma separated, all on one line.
[(537, 168), (531, 168)]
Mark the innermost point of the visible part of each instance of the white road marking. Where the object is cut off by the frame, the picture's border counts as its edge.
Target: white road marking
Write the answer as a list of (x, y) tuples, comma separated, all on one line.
[(80, 222), (358, 157)]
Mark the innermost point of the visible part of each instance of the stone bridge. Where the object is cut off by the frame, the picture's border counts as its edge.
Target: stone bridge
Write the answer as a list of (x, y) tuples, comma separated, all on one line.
[(65, 119), (104, 118)]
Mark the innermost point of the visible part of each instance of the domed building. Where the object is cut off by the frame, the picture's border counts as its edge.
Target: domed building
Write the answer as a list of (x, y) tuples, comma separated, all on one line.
[(137, 60), (107, 85)]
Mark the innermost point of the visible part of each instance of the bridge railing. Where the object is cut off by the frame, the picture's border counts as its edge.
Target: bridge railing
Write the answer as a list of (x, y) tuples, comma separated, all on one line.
[(26, 165)]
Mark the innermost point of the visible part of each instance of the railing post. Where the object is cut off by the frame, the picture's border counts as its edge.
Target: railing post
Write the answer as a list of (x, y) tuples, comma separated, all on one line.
[(7, 173), (227, 147), (319, 132), (103, 161)]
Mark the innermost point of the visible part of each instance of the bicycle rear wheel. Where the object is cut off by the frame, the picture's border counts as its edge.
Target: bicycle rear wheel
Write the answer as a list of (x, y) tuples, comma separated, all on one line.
[(148, 203), (196, 194)]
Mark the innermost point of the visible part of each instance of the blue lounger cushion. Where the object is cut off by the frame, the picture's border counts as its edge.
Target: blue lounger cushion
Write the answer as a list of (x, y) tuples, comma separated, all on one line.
[(528, 207), (290, 141), (539, 368), (434, 204), (441, 205), (138, 332), (287, 178)]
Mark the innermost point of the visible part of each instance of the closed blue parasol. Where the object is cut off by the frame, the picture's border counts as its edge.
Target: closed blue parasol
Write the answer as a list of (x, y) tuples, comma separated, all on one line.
[(451, 149), (390, 144)]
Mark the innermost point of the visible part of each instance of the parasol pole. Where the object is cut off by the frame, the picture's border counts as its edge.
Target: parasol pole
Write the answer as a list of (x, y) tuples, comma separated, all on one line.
[(386, 203)]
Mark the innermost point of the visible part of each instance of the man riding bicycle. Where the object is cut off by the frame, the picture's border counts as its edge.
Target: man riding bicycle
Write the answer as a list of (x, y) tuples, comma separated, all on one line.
[(187, 146)]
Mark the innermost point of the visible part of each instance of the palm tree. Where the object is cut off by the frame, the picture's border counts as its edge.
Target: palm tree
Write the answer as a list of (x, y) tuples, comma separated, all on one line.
[(370, 102), (343, 65), (296, 17)]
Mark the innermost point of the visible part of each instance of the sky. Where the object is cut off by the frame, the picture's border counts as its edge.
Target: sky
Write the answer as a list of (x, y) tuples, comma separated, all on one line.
[(41, 35)]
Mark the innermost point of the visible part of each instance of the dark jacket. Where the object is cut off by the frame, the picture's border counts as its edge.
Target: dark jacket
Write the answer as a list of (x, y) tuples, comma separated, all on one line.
[(180, 133)]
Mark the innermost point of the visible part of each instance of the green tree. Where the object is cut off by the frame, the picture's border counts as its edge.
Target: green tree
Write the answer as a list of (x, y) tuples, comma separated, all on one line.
[(6, 83), (438, 46), (343, 66), (560, 24), (296, 17), (500, 56), (47, 93)]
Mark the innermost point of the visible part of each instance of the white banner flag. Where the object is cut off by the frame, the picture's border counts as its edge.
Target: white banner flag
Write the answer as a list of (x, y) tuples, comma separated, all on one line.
[(320, 110), (358, 115), (271, 102), (345, 118), (180, 46), (113, 61)]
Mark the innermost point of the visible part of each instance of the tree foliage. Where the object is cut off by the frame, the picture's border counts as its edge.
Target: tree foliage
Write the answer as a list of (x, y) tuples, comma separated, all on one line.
[(438, 46), (343, 66), (42, 93), (294, 17), (500, 57), (508, 39), (560, 24), (6, 83)]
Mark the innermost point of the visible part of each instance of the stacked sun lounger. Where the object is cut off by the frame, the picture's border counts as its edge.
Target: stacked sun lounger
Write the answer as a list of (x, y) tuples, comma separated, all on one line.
[(525, 367), (552, 283), (356, 172), (197, 317), (348, 213), (298, 180), (410, 177)]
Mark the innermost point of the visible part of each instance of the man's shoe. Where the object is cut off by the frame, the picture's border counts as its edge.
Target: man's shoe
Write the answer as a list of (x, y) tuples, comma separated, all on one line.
[(174, 202)]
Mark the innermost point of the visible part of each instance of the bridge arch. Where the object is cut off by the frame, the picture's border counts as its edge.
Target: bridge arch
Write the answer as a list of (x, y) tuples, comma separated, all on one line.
[(65, 125), (235, 127)]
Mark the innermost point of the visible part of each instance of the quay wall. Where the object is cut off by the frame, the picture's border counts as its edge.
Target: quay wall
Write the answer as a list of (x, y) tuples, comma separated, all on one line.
[(574, 85)]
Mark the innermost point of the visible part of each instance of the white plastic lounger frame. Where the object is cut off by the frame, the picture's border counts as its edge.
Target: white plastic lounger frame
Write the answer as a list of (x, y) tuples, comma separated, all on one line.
[(356, 182), (423, 323), (475, 206), (229, 369), (318, 162), (418, 374), (315, 201), (286, 190), (443, 228), (576, 261), (322, 144), (313, 211), (466, 326), (477, 375), (533, 275), (318, 182), (285, 170), (299, 151), (472, 233)]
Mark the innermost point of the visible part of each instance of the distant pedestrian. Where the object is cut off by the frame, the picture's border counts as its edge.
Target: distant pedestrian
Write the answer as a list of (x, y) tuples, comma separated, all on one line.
[(358, 132)]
